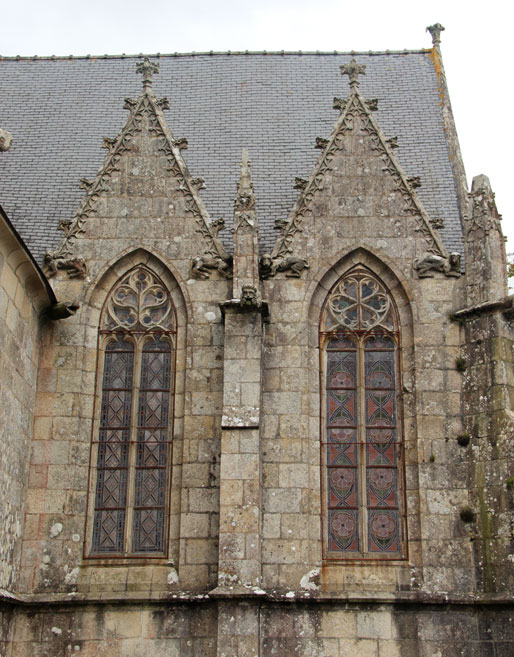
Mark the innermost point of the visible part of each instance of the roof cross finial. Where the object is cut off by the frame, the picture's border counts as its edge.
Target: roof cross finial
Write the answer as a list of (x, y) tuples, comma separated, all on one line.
[(353, 70), (435, 30), (147, 68)]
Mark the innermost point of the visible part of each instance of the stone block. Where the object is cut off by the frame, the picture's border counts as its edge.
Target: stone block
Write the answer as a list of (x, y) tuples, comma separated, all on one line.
[(285, 551), (361, 647), (40, 500), (374, 625), (446, 502), (196, 475), (293, 475), (153, 648), (231, 492), (277, 500), (239, 520), (239, 466), (203, 500), (206, 403), (232, 546), (201, 551), (271, 525), (124, 625), (240, 417), (294, 525), (250, 394), (194, 525)]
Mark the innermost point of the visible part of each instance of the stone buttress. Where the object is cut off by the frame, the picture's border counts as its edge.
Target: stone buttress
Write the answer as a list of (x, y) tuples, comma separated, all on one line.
[(486, 363), (240, 538)]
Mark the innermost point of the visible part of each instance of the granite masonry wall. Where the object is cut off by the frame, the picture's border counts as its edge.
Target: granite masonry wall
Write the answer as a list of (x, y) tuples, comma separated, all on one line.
[(23, 298), (244, 572)]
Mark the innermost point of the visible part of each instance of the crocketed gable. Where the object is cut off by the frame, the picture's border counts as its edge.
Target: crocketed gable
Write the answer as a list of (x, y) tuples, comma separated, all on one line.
[(274, 104)]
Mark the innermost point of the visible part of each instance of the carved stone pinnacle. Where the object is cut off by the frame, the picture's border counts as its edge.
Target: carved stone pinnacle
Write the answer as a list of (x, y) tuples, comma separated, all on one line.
[(353, 70), (147, 68), (435, 31), (245, 199)]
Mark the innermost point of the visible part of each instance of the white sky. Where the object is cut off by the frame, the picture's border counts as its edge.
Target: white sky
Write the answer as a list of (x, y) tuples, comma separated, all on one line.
[(475, 46)]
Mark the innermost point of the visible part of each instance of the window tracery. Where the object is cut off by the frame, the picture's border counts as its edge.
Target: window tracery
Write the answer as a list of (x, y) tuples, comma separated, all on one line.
[(361, 446), (133, 443)]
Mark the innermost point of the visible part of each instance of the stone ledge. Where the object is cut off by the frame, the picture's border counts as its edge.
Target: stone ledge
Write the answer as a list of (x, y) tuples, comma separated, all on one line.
[(505, 306), (240, 417), (403, 598), (235, 305)]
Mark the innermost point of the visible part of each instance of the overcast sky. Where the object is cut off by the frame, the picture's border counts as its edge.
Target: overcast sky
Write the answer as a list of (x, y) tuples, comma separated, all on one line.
[(476, 48)]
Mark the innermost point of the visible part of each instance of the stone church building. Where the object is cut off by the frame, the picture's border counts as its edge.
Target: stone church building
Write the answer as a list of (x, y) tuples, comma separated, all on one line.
[(255, 397)]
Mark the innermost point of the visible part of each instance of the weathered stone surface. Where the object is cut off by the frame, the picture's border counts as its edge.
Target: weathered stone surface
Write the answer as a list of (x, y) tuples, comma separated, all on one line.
[(245, 568)]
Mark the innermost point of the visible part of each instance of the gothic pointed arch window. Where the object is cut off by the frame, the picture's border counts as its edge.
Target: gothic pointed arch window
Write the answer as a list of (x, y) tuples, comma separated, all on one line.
[(132, 441), (362, 452)]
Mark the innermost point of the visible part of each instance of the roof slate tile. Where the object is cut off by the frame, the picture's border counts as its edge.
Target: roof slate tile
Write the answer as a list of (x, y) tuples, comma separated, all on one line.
[(59, 110)]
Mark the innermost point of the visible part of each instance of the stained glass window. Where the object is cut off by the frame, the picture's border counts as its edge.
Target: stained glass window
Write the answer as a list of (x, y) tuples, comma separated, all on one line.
[(361, 443), (133, 448)]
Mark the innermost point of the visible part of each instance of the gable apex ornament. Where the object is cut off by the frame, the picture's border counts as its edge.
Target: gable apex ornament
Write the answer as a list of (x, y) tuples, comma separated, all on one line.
[(149, 108), (435, 32), (353, 70), (356, 114), (147, 69)]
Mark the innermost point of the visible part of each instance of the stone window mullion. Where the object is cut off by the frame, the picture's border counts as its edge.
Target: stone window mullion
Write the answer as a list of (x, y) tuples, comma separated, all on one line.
[(362, 447), (132, 443)]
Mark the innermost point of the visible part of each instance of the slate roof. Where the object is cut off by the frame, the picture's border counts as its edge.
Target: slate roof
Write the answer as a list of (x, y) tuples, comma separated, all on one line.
[(59, 109)]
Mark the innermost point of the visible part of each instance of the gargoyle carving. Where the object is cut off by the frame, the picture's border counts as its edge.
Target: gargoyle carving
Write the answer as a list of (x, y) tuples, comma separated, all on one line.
[(321, 143), (217, 259), (291, 264), (202, 265), (300, 183), (430, 263), (62, 310), (74, 267)]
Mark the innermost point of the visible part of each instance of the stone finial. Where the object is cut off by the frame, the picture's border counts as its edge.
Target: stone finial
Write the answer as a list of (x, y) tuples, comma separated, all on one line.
[(5, 140), (435, 31), (246, 234), (486, 261), (353, 70), (485, 215), (147, 69), (245, 199)]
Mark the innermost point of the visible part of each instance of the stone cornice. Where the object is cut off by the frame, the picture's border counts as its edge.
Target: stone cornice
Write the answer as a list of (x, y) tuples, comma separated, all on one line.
[(357, 598), (505, 306)]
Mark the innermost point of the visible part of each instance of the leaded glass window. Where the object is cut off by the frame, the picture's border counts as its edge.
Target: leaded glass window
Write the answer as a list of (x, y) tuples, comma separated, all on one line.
[(133, 443), (361, 445)]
